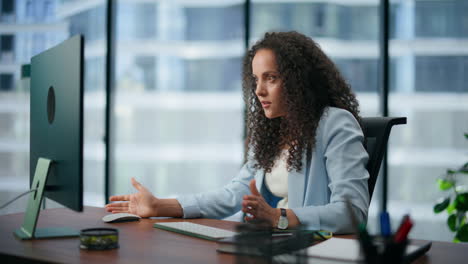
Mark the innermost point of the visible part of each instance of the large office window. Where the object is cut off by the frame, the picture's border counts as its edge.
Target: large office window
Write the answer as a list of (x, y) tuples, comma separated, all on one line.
[(428, 68), (429, 48), (28, 27), (347, 31), (178, 113)]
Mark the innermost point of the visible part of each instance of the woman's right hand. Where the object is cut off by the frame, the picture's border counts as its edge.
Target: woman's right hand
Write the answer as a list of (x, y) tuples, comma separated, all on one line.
[(142, 203)]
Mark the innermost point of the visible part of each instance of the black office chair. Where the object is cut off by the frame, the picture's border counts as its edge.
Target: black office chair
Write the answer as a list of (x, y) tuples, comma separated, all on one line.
[(376, 132)]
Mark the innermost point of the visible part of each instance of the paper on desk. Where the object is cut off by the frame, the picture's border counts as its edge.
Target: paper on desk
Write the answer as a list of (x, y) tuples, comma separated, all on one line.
[(343, 249), (336, 248)]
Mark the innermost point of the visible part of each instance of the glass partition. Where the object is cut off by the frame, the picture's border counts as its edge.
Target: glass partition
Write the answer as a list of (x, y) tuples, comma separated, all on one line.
[(27, 28), (429, 48), (347, 31), (178, 108)]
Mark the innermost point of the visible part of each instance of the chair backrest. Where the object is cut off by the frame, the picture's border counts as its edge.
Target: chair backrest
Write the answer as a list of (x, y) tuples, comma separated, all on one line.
[(376, 132)]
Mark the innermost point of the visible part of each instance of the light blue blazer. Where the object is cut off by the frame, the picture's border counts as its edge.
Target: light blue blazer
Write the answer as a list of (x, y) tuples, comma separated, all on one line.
[(316, 194)]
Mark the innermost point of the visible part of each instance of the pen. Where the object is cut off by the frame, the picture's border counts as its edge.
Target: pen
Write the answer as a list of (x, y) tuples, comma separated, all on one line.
[(405, 218), (320, 235), (385, 229), (404, 229)]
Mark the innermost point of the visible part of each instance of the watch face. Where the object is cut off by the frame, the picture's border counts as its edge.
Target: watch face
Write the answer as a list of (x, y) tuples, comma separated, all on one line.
[(283, 222)]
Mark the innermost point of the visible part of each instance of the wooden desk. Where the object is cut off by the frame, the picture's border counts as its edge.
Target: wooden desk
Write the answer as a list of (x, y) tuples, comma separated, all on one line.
[(141, 243)]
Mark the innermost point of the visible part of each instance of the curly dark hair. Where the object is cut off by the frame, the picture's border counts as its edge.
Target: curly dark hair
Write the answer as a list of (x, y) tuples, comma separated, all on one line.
[(311, 82)]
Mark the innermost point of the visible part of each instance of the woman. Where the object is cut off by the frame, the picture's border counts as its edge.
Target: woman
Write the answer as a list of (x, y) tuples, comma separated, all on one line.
[(306, 153)]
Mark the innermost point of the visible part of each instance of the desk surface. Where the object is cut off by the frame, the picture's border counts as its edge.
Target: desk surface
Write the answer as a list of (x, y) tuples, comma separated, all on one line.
[(141, 243)]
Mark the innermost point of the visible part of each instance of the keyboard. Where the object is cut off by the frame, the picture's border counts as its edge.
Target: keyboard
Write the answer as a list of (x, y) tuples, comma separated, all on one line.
[(196, 230)]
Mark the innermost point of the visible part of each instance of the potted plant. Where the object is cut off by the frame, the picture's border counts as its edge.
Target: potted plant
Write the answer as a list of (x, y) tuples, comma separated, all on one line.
[(456, 201)]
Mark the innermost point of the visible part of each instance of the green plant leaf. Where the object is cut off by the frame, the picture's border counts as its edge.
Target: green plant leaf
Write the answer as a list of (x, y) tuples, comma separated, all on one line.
[(466, 135), (442, 205), (461, 202), (464, 168), (462, 233), (451, 208), (450, 171), (452, 222), (460, 218), (455, 240), (444, 184)]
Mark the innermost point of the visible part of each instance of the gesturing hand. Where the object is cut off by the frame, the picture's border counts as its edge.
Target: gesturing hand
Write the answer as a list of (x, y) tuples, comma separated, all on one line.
[(257, 207), (142, 203)]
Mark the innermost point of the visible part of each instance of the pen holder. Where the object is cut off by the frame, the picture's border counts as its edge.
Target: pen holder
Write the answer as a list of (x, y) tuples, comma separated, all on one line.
[(394, 252), (385, 250)]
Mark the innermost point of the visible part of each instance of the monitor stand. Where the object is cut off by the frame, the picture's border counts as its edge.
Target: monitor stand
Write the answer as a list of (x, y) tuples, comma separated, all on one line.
[(28, 229)]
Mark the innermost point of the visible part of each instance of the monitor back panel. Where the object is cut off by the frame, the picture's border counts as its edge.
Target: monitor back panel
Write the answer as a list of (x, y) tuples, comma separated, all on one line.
[(57, 120)]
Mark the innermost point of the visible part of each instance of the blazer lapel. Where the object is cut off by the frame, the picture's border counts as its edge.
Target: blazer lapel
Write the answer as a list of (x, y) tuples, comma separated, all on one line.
[(259, 178), (297, 184)]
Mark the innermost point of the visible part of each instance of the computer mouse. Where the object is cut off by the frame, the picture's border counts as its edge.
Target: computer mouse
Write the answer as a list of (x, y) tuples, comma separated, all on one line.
[(120, 217)]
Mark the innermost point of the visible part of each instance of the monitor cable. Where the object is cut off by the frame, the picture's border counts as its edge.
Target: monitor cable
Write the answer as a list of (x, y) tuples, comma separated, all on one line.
[(16, 198)]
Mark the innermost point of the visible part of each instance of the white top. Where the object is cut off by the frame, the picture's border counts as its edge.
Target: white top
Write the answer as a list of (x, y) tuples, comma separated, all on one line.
[(277, 180)]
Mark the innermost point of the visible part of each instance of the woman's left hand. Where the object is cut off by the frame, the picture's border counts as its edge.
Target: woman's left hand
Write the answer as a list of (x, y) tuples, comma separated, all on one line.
[(257, 207)]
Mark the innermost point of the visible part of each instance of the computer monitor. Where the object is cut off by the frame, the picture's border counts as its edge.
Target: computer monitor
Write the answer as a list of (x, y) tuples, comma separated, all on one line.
[(56, 139)]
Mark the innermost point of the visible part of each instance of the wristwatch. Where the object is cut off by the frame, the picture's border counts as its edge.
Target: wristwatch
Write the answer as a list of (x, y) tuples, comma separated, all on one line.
[(283, 220)]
